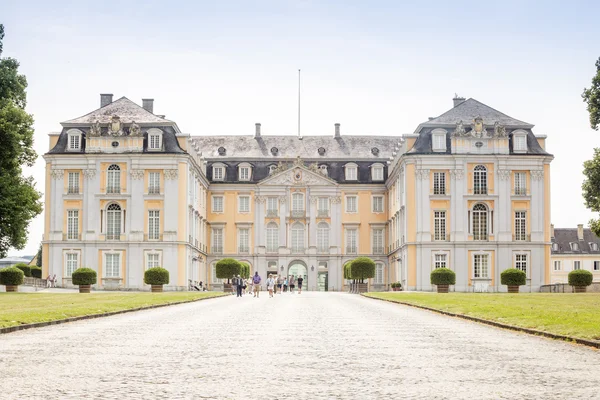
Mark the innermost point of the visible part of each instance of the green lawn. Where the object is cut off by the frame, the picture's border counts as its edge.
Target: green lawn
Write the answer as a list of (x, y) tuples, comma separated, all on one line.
[(559, 313), (27, 308)]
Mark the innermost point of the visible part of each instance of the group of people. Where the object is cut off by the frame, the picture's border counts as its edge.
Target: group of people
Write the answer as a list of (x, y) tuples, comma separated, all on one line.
[(273, 282)]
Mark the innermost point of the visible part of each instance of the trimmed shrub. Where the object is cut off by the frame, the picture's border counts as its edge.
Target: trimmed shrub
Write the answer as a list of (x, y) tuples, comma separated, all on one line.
[(362, 268), (227, 268), (245, 270), (513, 277), (11, 276), (580, 277), (36, 272), (347, 274), (84, 276), (396, 285), (25, 268), (442, 276), (156, 276)]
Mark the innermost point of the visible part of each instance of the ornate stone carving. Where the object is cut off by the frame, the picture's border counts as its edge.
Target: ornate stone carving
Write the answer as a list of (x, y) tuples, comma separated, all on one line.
[(313, 199), (282, 199), (335, 199), (136, 173), (260, 199), (115, 127), (537, 175), (499, 130), (89, 173), (298, 162), (456, 174), (170, 174), (57, 173), (422, 173), (459, 130), (95, 129), (503, 174), (314, 167), (134, 129), (478, 128)]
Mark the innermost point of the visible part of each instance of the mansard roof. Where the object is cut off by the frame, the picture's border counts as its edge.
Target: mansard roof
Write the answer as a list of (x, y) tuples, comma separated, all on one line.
[(289, 147), (563, 237)]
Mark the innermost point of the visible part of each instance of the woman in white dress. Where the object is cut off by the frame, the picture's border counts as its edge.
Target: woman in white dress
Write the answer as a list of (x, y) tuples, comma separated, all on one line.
[(270, 285)]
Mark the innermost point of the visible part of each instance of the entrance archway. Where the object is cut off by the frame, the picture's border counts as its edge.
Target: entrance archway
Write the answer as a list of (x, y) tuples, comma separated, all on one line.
[(298, 268)]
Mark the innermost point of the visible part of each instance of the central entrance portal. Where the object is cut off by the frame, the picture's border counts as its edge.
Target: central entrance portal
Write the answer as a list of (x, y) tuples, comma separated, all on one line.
[(298, 268)]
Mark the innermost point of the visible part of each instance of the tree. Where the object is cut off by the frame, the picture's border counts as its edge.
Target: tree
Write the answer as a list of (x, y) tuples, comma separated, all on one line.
[(591, 96), (227, 268), (19, 201), (591, 188), (38, 260), (362, 268)]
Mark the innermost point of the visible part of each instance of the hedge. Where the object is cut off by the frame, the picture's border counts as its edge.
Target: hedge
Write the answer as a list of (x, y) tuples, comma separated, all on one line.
[(156, 276), (347, 274), (227, 268), (245, 270), (580, 277), (11, 276), (36, 272), (442, 276), (84, 276), (513, 277), (25, 268), (362, 268)]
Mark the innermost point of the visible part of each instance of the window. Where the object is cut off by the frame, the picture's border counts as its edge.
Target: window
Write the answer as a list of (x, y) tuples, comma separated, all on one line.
[(297, 204), (272, 206), (323, 207), (519, 142), (440, 260), (74, 136), (439, 183), (377, 241), (480, 227), (377, 204), (351, 171), (244, 240), (217, 240), (244, 204), (378, 274), (480, 180), (152, 260), (557, 265), (480, 266), (520, 184), (112, 268), (71, 263), (113, 179), (73, 224), (218, 172), (594, 246), (520, 225), (244, 172), (113, 222), (439, 225), (217, 204), (377, 172), (272, 237), (574, 246), (596, 265), (154, 139), (154, 183), (554, 246), (351, 204), (73, 183), (297, 237), (351, 241), (153, 224), (576, 265), (214, 274), (438, 139), (521, 262), (323, 237)]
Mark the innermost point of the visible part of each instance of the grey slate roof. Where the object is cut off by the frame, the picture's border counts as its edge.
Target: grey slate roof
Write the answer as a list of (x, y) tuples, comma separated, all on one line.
[(289, 147), (565, 236), (126, 109)]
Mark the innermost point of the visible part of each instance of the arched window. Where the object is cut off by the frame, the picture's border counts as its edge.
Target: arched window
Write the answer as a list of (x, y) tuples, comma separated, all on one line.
[(272, 237), (323, 237), (480, 180), (113, 179), (297, 238), (113, 222), (480, 222)]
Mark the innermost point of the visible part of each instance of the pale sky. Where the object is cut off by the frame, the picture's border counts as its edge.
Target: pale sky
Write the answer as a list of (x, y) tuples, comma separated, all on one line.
[(376, 67)]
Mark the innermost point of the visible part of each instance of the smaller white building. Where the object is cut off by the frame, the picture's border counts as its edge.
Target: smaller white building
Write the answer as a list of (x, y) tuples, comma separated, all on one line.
[(573, 249)]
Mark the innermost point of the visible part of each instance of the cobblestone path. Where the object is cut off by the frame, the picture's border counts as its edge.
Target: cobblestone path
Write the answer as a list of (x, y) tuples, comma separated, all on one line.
[(309, 346)]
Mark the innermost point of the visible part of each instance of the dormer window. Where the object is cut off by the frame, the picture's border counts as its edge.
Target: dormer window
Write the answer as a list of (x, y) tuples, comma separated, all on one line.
[(351, 171), (554, 246), (377, 172), (574, 246), (594, 246), (74, 140), (438, 140), (244, 172), (154, 139), (272, 169), (323, 170), (218, 171), (520, 141)]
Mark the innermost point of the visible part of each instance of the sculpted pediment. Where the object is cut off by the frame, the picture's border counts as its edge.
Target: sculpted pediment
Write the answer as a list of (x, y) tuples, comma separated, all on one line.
[(298, 176)]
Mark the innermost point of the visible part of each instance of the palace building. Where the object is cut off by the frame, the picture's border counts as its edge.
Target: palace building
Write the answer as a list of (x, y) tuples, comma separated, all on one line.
[(127, 190)]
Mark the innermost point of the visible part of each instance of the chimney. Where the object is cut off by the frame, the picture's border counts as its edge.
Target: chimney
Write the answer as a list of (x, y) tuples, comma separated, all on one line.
[(257, 131), (580, 231), (337, 131), (148, 105), (552, 231), (458, 100), (105, 99)]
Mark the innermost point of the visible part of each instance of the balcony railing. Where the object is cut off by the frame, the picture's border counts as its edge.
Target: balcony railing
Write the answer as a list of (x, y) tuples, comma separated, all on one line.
[(298, 213), (113, 236), (377, 250), (521, 192), (481, 238), (113, 189), (480, 190), (351, 250), (521, 238), (243, 249), (323, 213), (153, 237), (440, 238), (73, 190), (71, 236), (272, 213), (154, 190), (217, 249)]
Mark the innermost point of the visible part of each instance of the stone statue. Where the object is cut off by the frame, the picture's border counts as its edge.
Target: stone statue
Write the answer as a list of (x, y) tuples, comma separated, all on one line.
[(499, 130), (478, 128), (314, 167), (134, 129), (114, 126), (460, 129), (95, 129)]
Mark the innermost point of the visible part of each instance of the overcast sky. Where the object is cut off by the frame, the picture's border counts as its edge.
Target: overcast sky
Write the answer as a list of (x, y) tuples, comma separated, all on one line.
[(376, 67)]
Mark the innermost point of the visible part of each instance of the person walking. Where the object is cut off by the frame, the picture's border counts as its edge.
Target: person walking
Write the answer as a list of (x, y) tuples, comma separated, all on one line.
[(280, 283), (300, 280), (285, 284), (270, 285), (234, 285), (239, 286), (256, 284), (292, 283)]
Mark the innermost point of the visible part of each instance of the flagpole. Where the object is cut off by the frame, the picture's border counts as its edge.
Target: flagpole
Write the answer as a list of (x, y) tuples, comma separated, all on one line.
[(299, 136)]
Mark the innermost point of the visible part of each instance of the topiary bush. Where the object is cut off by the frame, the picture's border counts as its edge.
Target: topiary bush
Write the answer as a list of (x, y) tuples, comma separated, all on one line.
[(362, 268), (245, 270), (227, 268), (156, 276), (442, 276), (84, 276), (36, 272), (513, 277), (25, 268), (11, 276), (580, 277), (347, 273)]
